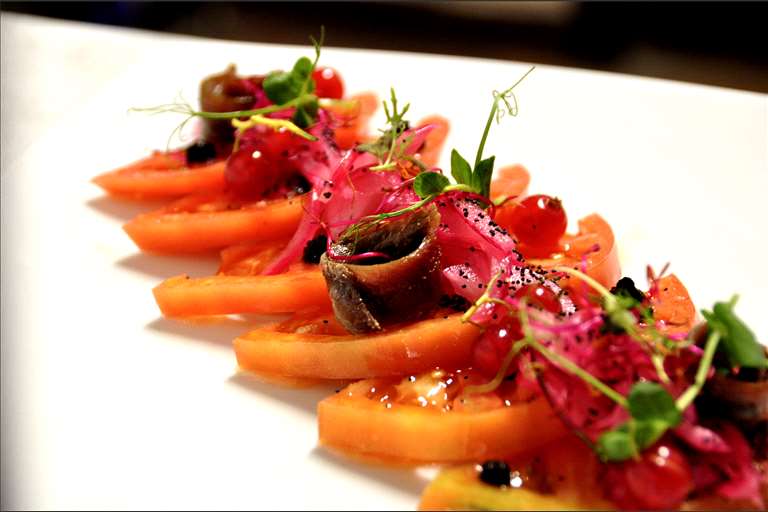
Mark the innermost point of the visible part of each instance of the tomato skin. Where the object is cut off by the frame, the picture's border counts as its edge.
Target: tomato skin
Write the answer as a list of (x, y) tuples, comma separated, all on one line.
[(328, 83)]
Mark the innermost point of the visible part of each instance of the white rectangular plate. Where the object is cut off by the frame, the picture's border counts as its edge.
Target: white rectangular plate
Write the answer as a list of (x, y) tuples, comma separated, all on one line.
[(107, 405)]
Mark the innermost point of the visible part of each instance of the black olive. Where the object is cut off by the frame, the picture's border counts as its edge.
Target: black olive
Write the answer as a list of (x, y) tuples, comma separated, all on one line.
[(626, 287), (495, 472), (314, 249), (201, 152), (301, 186)]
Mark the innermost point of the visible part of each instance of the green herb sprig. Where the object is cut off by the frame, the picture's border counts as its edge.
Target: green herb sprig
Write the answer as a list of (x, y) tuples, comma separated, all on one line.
[(386, 147), (287, 90), (297, 85), (738, 342), (477, 178)]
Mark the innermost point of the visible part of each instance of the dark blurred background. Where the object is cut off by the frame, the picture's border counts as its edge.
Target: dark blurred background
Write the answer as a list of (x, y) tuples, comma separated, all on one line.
[(720, 44)]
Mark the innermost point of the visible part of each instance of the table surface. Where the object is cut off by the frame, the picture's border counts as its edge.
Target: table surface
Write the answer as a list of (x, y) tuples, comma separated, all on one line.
[(107, 405)]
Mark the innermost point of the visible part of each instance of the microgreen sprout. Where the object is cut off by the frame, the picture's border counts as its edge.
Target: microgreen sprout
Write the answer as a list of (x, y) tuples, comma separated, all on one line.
[(386, 148), (739, 345), (286, 89), (428, 185), (477, 178), (276, 124)]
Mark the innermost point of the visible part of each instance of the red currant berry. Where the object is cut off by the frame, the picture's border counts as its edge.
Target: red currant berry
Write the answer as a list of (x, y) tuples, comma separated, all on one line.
[(328, 83), (539, 221)]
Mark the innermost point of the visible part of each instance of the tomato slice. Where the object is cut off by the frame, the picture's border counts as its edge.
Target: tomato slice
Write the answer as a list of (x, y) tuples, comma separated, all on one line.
[(561, 476), (249, 258), (594, 244), (162, 175), (182, 296), (511, 181), (353, 113), (211, 221), (301, 350), (430, 419)]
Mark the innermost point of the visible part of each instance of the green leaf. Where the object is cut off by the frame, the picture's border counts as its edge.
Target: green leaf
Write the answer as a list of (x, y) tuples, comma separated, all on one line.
[(306, 112), (648, 432), (282, 87), (737, 342), (460, 169), (617, 444), (302, 70), (481, 178), (649, 401), (629, 439), (429, 183)]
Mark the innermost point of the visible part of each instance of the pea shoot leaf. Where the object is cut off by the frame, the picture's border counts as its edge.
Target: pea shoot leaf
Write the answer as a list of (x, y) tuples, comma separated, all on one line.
[(648, 432), (460, 169), (650, 401), (653, 412), (617, 444), (737, 341), (481, 177), (429, 183), (284, 86)]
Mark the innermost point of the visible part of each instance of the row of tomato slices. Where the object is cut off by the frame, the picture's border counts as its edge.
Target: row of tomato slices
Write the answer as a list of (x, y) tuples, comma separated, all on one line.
[(398, 405)]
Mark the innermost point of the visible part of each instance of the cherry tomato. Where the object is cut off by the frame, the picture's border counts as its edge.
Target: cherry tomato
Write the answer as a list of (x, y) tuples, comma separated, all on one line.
[(661, 479), (540, 296), (539, 222), (328, 83)]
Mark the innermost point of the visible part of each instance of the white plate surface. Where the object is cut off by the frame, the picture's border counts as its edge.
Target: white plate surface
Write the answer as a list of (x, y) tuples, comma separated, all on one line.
[(106, 405)]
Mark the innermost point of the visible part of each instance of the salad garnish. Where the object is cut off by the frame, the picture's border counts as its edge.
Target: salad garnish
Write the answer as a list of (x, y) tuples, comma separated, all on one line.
[(473, 179), (397, 240), (287, 90)]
